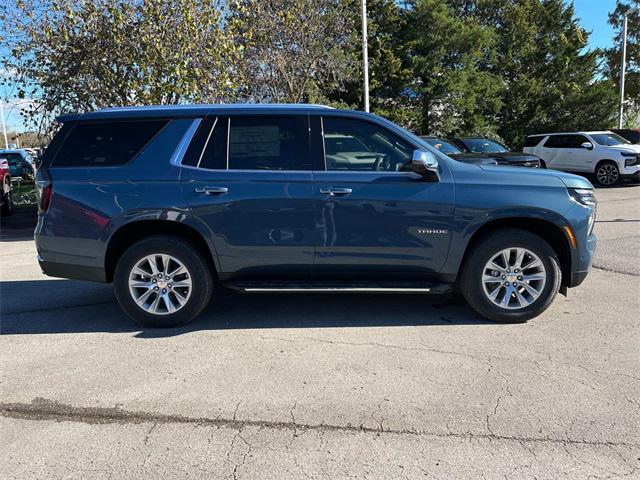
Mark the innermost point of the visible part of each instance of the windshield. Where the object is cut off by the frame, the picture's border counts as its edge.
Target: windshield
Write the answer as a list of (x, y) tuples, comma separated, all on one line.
[(482, 145), (443, 145), (608, 139)]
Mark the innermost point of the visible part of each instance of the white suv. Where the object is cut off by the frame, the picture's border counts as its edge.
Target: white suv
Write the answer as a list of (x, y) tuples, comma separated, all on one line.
[(605, 154)]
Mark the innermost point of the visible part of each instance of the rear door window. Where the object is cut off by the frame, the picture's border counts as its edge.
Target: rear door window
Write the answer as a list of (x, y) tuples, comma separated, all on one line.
[(532, 141), (106, 144), (558, 141)]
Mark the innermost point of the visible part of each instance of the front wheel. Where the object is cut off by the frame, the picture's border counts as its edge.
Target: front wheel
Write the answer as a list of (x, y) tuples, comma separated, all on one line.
[(511, 276), (607, 174), (162, 281)]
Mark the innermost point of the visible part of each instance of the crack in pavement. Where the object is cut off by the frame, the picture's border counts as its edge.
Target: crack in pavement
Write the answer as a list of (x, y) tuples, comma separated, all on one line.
[(611, 270), (41, 409)]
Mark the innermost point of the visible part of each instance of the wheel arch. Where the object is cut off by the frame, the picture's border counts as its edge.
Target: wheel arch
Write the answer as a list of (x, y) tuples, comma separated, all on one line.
[(605, 160), (132, 232), (553, 234)]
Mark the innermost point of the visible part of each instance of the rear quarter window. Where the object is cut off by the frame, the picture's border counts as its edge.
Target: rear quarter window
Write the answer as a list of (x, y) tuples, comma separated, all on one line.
[(532, 141), (106, 144)]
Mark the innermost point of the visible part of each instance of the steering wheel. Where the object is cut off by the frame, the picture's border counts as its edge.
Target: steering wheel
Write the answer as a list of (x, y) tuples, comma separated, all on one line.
[(382, 162)]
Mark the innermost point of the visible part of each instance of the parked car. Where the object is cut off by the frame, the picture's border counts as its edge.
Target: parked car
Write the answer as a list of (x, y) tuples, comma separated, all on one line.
[(629, 134), (6, 199), (20, 164), (605, 154), (495, 149), (454, 152), (166, 202)]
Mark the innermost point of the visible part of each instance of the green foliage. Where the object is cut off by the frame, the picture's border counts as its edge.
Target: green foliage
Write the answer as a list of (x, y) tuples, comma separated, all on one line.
[(78, 56), (614, 54), (293, 51), (496, 67), (550, 82), (456, 91)]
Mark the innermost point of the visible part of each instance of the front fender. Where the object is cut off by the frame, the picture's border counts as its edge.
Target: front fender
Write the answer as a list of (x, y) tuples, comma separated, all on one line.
[(469, 222)]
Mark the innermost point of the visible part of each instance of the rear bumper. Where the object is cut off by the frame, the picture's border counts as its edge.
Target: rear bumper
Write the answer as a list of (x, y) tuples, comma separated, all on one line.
[(73, 271)]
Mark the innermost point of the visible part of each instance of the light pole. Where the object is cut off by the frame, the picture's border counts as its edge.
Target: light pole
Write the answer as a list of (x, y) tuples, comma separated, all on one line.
[(624, 61), (365, 56)]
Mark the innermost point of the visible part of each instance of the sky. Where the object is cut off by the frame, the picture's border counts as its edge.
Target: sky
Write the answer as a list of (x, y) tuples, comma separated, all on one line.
[(593, 15)]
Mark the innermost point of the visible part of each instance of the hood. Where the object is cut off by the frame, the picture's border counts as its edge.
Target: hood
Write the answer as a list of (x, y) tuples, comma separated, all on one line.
[(625, 147), (513, 156), (481, 158), (530, 175)]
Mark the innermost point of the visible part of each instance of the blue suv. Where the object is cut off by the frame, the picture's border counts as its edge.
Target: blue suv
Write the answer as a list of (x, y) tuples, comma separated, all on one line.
[(166, 202)]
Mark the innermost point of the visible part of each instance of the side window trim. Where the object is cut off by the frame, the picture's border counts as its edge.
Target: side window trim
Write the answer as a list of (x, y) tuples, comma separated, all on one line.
[(206, 142), (228, 141), (324, 148), (181, 149)]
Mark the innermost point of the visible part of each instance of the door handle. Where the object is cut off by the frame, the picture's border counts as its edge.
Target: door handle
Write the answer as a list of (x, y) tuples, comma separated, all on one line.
[(335, 192), (212, 190)]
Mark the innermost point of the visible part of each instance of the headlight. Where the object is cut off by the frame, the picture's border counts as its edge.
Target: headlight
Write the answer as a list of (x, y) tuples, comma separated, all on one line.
[(583, 196), (630, 159)]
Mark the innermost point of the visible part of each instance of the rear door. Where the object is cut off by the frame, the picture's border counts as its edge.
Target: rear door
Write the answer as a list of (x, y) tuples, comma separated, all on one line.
[(376, 219), (248, 179), (555, 152)]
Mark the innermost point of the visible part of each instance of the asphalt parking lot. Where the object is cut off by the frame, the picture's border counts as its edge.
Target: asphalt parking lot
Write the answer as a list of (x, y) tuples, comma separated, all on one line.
[(276, 386)]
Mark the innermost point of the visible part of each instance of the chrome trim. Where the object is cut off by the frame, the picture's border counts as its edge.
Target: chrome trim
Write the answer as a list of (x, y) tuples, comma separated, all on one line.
[(338, 289), (228, 139), (181, 149), (206, 143), (324, 151)]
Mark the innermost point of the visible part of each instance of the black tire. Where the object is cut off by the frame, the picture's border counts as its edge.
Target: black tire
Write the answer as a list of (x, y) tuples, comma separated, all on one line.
[(542, 164), (607, 174), (471, 284), (7, 202), (199, 273)]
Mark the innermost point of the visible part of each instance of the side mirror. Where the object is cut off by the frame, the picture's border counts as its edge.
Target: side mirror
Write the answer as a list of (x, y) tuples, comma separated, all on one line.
[(587, 145), (424, 163)]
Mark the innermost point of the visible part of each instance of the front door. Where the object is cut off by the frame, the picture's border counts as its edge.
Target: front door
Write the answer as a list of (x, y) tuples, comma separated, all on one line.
[(376, 219), (249, 180)]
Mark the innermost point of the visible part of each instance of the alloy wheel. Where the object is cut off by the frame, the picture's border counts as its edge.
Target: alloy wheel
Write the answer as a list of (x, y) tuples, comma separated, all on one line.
[(160, 284), (514, 278), (607, 174)]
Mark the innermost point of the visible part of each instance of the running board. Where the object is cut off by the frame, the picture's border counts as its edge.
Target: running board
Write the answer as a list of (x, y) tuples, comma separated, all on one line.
[(321, 287)]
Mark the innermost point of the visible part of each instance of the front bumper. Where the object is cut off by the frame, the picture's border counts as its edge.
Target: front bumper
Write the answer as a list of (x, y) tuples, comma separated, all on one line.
[(631, 171)]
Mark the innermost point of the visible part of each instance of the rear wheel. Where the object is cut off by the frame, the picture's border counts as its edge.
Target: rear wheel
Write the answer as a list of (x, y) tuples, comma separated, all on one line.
[(511, 276), (163, 281), (607, 174)]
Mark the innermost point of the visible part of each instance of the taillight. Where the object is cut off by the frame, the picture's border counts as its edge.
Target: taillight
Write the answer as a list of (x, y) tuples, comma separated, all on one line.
[(45, 190), (45, 198)]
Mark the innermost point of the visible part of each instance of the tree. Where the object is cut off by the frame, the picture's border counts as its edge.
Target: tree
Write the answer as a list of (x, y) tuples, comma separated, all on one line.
[(614, 54), (551, 82), (78, 56), (389, 63), (293, 50), (456, 92)]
